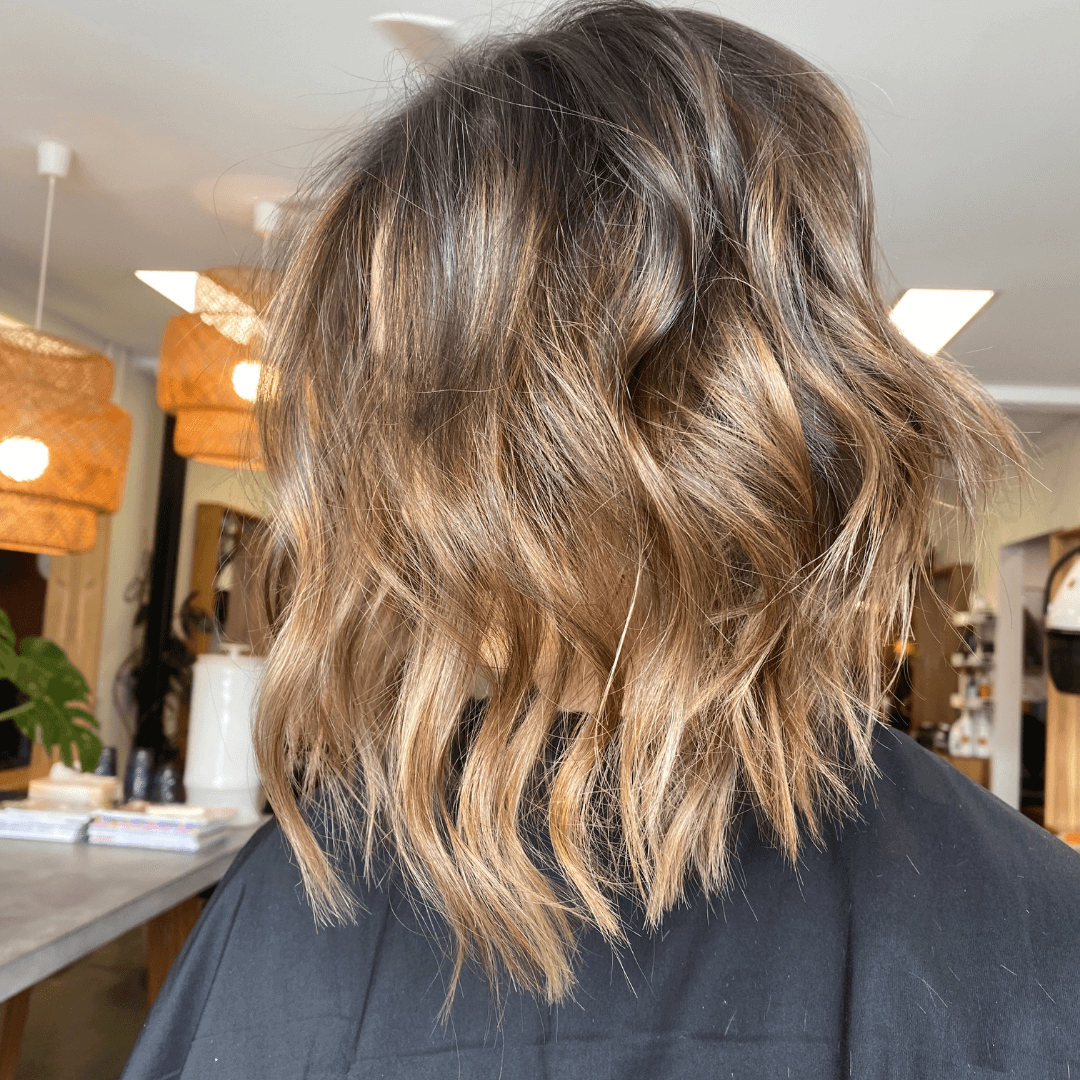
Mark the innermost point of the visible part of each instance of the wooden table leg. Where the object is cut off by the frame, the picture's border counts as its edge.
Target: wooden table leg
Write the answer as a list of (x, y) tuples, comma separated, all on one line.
[(15, 1010), (165, 937)]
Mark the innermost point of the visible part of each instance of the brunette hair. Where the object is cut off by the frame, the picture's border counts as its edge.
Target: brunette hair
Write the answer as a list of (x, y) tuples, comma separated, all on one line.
[(580, 371)]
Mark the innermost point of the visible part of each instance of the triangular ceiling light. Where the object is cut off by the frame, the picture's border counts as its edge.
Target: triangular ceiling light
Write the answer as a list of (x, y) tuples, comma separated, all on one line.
[(931, 318), (427, 40), (175, 285)]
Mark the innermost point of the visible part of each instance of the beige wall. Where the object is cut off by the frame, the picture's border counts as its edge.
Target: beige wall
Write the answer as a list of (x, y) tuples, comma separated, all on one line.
[(1049, 502)]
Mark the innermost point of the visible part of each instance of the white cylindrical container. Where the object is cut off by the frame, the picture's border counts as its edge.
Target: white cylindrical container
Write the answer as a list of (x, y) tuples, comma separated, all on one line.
[(220, 769)]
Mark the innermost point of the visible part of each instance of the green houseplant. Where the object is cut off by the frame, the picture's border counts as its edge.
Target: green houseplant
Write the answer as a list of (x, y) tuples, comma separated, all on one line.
[(55, 693)]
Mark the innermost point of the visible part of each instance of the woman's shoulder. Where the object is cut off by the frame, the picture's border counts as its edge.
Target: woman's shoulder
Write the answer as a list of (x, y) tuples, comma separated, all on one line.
[(921, 805), (932, 855), (962, 919)]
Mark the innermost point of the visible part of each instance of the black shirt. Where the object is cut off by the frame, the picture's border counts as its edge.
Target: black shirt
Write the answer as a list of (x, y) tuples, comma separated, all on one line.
[(937, 936)]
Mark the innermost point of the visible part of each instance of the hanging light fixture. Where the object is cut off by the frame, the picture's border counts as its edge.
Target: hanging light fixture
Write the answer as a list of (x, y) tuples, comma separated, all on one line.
[(63, 444), (208, 372)]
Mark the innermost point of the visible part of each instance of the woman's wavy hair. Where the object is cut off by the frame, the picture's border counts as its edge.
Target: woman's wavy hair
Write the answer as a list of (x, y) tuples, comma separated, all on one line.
[(580, 376)]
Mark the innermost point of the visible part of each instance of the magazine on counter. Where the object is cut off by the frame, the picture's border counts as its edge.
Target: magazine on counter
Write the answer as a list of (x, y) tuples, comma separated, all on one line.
[(43, 819), (167, 827)]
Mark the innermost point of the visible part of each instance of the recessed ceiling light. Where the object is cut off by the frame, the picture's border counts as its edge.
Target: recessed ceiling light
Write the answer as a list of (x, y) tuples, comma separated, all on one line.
[(931, 318), (177, 285)]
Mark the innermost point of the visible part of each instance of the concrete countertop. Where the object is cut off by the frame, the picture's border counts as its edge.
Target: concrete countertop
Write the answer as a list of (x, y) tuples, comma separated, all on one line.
[(59, 902)]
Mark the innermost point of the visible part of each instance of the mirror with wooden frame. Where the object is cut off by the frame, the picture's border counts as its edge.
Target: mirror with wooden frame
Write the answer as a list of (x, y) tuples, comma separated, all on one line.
[(221, 605)]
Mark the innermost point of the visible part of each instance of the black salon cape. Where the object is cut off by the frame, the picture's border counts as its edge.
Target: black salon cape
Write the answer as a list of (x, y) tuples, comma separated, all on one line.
[(937, 937)]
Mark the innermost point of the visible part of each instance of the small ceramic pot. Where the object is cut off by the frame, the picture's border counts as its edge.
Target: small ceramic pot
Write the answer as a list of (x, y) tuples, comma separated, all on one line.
[(139, 778), (106, 762), (168, 787)]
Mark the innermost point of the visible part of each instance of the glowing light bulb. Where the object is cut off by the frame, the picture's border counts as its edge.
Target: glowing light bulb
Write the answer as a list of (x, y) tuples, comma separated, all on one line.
[(23, 459), (245, 379)]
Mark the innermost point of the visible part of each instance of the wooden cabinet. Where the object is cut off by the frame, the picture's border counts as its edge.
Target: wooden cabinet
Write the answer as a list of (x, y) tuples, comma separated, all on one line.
[(936, 639), (933, 678), (974, 768)]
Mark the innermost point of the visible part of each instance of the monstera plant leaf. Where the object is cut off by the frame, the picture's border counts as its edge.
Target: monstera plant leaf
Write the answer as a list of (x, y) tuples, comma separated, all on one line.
[(55, 693)]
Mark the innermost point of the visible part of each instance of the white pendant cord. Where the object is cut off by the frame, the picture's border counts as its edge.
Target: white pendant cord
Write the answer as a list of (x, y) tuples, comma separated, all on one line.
[(45, 254), (53, 160)]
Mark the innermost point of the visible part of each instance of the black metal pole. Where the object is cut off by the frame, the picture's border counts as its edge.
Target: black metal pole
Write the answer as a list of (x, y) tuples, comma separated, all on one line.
[(152, 684)]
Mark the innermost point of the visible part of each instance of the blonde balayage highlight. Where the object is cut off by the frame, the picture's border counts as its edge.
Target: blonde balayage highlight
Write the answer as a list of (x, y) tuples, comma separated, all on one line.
[(581, 373)]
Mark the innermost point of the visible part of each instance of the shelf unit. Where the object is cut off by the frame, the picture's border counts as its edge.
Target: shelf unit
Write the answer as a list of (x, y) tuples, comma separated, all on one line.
[(970, 734)]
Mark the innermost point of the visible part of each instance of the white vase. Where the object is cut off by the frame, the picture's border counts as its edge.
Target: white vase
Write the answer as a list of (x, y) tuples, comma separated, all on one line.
[(220, 768)]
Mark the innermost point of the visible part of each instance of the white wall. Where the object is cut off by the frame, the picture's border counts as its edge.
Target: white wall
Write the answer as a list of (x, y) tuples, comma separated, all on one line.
[(131, 538)]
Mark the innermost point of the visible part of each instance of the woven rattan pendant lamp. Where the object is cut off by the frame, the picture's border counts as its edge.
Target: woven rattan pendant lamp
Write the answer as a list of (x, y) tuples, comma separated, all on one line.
[(63, 445), (208, 371)]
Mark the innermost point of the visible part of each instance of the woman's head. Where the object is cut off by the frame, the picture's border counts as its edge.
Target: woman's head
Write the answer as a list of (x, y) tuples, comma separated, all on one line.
[(580, 375)]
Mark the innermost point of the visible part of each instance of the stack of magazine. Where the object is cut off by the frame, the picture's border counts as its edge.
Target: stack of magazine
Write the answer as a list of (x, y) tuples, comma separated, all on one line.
[(167, 827), (44, 819)]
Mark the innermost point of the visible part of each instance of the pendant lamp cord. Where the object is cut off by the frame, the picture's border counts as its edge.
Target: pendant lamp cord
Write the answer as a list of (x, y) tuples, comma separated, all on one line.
[(45, 254)]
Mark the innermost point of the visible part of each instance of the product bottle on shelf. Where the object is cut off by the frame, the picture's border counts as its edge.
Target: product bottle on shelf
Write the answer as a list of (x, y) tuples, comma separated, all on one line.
[(961, 741), (981, 732), (969, 735)]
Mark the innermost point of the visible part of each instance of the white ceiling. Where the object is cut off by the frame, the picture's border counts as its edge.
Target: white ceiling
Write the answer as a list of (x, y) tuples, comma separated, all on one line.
[(182, 114)]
